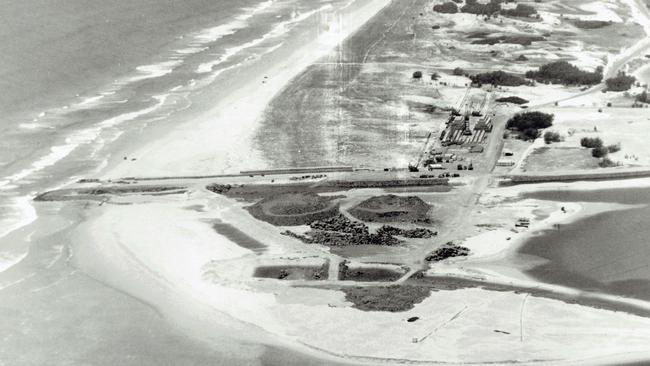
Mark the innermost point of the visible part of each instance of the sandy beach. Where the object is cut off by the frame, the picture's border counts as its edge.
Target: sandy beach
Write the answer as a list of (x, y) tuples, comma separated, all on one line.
[(218, 140)]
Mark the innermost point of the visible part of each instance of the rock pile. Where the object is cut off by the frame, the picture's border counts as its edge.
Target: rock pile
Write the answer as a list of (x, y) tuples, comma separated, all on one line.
[(449, 250), (341, 231), (412, 233)]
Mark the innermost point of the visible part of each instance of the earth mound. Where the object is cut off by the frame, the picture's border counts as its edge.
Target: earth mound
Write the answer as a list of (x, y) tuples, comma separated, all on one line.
[(392, 208), (294, 209)]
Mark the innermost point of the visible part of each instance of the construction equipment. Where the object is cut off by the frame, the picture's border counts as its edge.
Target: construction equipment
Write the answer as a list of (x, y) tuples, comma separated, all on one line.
[(415, 168)]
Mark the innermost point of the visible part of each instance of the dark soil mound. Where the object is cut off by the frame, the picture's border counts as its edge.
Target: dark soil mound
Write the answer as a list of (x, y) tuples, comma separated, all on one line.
[(294, 209), (392, 208)]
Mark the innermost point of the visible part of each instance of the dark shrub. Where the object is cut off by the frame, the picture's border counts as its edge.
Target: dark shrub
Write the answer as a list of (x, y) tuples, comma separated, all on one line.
[(521, 10), (447, 8), (498, 78), (599, 152), (523, 121), (562, 72), (606, 163), (417, 75), (614, 148), (551, 136), (474, 7), (529, 134), (591, 142), (621, 82), (513, 100), (458, 71), (643, 97)]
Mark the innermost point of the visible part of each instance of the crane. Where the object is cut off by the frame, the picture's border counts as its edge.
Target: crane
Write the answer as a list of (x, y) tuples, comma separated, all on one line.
[(415, 168)]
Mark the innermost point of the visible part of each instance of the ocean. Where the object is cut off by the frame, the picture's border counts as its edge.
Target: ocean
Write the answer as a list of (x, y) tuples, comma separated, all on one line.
[(82, 82)]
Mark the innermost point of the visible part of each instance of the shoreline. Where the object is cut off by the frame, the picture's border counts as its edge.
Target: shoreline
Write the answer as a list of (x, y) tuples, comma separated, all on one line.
[(216, 147), (506, 263)]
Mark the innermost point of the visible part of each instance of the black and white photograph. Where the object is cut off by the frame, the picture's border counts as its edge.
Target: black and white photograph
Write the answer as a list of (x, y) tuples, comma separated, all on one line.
[(324, 182)]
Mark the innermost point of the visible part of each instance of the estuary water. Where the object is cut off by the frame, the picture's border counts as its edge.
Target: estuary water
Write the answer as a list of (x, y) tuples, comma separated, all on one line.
[(608, 252)]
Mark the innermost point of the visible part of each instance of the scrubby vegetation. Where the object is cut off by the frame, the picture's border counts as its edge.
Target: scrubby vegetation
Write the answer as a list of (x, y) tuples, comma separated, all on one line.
[(607, 163), (513, 100), (643, 97), (614, 148), (591, 142), (552, 136), (498, 78), (599, 152), (529, 123), (562, 72), (391, 298), (522, 10), (458, 71), (620, 82), (417, 75), (447, 8)]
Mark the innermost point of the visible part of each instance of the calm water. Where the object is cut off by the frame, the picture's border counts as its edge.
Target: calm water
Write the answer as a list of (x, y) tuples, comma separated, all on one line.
[(607, 252)]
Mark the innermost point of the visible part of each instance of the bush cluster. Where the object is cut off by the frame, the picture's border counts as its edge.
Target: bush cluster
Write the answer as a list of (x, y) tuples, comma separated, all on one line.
[(522, 10), (621, 82), (552, 136), (513, 99), (529, 123), (474, 7), (591, 142), (643, 97), (537, 120), (562, 72), (498, 78)]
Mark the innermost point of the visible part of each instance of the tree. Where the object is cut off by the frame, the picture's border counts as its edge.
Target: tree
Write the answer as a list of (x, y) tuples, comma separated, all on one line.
[(551, 136), (537, 120), (417, 75), (562, 72), (498, 78), (458, 71), (643, 97), (621, 82)]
